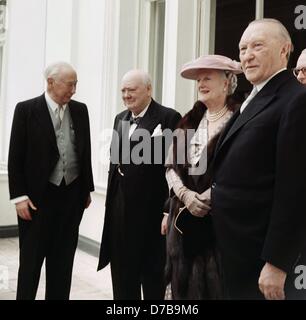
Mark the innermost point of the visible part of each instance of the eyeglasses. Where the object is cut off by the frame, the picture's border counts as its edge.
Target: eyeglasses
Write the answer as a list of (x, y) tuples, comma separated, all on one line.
[(296, 71)]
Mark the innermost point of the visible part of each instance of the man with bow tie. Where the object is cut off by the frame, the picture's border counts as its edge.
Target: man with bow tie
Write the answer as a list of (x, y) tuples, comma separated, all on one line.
[(131, 241), (50, 180)]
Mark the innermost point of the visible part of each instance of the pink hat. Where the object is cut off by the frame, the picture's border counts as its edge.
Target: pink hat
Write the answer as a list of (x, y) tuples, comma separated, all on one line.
[(301, 63), (192, 69)]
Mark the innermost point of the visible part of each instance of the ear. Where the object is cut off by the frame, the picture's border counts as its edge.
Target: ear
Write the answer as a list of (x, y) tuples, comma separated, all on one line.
[(149, 87), (50, 81), (285, 50)]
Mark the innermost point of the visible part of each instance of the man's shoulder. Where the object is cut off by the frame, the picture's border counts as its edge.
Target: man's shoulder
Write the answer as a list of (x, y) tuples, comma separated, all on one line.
[(78, 104), (292, 88), (31, 101), (78, 107), (163, 109), (26, 106), (122, 114)]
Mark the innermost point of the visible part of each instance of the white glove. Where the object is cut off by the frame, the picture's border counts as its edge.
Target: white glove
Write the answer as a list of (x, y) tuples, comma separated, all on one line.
[(192, 201)]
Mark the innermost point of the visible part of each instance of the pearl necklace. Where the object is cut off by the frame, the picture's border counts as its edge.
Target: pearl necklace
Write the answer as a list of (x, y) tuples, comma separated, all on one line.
[(216, 116)]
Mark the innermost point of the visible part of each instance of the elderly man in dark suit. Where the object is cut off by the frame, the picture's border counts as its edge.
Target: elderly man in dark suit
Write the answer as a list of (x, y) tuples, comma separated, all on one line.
[(132, 241), (259, 188), (50, 180)]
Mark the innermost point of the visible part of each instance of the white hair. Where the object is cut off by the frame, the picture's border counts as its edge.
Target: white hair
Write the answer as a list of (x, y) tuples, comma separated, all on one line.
[(140, 74), (56, 68), (232, 82), (147, 79)]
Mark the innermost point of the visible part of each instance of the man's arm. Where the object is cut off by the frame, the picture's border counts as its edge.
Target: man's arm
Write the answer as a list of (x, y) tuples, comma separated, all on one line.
[(88, 157), (16, 164), (17, 154), (286, 233)]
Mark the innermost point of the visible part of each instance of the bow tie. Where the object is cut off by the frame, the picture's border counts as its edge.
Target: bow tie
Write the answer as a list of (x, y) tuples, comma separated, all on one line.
[(135, 120)]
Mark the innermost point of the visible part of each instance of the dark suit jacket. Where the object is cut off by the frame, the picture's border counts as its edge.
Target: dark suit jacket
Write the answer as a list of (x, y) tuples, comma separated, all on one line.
[(259, 189), (145, 186), (33, 151)]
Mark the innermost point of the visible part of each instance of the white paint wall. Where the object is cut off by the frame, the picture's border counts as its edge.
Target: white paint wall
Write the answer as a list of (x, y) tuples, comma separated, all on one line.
[(180, 47), (24, 62)]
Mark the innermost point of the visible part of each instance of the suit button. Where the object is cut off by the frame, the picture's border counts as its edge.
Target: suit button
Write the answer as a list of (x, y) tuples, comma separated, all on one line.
[(213, 186)]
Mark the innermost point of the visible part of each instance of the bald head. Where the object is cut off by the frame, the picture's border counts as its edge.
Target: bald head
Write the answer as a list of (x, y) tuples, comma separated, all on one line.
[(301, 63), (300, 69), (138, 75), (264, 49), (136, 90)]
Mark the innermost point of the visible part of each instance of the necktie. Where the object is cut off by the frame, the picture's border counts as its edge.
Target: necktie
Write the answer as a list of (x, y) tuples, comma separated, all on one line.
[(135, 120), (59, 113), (248, 99)]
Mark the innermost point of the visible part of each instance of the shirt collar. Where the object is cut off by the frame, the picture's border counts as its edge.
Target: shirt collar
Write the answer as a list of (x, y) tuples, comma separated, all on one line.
[(51, 103), (262, 84), (142, 113)]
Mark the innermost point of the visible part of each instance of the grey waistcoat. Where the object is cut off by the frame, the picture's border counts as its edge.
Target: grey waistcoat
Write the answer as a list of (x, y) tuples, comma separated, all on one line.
[(67, 166)]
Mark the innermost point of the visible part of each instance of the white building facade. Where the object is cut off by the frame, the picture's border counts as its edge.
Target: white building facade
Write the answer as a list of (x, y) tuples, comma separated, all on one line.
[(103, 39)]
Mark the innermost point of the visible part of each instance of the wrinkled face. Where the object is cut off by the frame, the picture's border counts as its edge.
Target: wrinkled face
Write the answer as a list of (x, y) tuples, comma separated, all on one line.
[(262, 52), (301, 67), (135, 94), (62, 86), (212, 87)]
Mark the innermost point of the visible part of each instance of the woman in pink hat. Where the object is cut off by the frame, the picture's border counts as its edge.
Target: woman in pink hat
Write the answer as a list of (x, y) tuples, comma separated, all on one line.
[(193, 267)]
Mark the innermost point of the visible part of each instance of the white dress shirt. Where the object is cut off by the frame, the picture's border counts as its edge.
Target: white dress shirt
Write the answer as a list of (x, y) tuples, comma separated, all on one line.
[(134, 125)]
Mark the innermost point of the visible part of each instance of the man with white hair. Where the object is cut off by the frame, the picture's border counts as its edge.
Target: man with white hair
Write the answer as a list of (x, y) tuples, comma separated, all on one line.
[(300, 69), (136, 194), (50, 180), (258, 192)]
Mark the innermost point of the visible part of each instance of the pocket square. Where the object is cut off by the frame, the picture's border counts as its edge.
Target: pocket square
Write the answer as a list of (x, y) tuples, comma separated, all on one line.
[(157, 131)]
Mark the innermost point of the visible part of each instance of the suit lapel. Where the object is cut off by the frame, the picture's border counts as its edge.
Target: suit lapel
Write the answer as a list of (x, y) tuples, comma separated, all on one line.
[(261, 101), (255, 106), (122, 130), (123, 127), (226, 129), (41, 112), (149, 120)]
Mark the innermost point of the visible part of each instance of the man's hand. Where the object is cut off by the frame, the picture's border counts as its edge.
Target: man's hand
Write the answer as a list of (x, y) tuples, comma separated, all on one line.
[(23, 210), (164, 225), (271, 282), (88, 202), (195, 205)]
